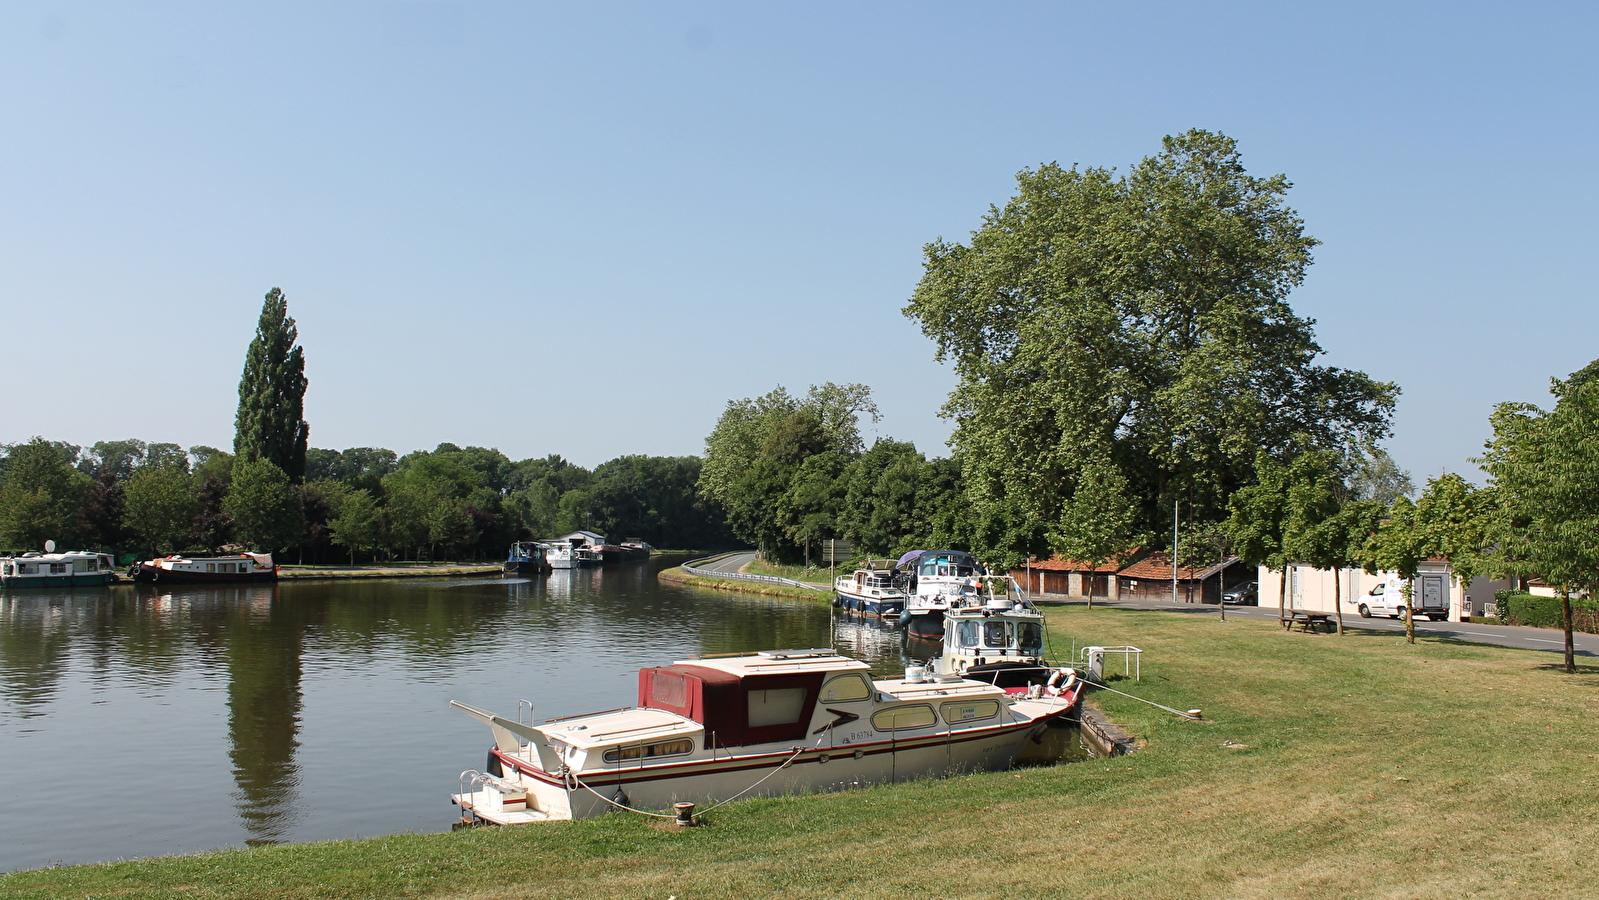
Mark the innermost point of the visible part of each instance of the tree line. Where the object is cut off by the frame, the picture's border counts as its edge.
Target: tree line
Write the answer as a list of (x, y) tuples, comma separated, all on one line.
[(276, 493), (362, 503)]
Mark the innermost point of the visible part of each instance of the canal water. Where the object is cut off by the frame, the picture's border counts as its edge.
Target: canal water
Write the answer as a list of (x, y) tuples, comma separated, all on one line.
[(139, 722)]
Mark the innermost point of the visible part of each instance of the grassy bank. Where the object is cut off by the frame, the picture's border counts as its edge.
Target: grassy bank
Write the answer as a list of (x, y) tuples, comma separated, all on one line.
[(793, 573), (1328, 767), (679, 576)]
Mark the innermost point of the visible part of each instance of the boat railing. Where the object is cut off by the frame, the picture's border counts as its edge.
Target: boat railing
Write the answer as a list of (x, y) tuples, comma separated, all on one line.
[(527, 705), (587, 714)]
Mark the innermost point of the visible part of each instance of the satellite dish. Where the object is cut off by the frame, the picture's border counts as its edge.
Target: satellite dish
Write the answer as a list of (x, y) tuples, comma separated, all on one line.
[(49, 546)]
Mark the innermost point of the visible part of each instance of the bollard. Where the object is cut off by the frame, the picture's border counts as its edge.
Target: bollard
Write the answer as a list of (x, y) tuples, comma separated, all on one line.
[(685, 815)]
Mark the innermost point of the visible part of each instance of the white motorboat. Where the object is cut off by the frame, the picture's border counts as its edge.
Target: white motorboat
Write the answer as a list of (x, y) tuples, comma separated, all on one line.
[(938, 578), (782, 721), (873, 590), (560, 554), (994, 634)]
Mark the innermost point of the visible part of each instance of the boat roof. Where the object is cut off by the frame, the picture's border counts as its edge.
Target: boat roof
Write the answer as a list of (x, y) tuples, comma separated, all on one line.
[(901, 689), (620, 726), (778, 662)]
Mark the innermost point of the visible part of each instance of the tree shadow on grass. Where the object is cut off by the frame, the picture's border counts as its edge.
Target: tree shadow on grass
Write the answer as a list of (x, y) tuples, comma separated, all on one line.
[(1560, 668)]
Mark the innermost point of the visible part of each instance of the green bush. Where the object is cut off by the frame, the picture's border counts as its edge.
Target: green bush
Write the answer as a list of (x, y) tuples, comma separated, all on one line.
[(1521, 608)]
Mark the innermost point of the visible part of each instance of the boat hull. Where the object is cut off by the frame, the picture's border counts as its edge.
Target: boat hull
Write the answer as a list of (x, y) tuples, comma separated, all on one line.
[(925, 624), (526, 566), (869, 605), (148, 574), (76, 579)]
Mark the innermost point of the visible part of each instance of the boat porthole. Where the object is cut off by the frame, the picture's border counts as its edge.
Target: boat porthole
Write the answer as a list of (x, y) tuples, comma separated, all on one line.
[(823, 758), (859, 753)]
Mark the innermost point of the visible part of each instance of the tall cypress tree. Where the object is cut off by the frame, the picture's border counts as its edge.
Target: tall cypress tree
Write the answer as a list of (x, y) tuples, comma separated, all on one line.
[(270, 423)]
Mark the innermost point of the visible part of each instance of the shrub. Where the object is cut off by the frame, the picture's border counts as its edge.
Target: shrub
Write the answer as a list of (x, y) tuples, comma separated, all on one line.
[(1521, 608)]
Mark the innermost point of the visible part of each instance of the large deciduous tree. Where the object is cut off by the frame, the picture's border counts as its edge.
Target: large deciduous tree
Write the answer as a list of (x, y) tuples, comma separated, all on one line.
[(40, 493), (160, 506), (1545, 471), (266, 513), (1140, 319), (758, 447), (271, 423)]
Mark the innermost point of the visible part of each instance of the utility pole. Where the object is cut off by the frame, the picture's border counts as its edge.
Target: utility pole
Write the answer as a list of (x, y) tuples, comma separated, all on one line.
[(1174, 550)]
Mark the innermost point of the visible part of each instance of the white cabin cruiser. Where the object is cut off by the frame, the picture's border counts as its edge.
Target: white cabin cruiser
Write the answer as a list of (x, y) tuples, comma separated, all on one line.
[(560, 554), (780, 721), (872, 590), (938, 578), (995, 634)]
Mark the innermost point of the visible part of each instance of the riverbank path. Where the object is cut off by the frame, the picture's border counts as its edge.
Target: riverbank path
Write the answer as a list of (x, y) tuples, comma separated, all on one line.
[(728, 563)]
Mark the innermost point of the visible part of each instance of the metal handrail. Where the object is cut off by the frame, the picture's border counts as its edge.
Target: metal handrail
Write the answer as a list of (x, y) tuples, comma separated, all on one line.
[(692, 567)]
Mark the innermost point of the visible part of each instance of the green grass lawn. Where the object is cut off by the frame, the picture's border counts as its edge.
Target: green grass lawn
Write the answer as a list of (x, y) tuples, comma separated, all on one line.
[(1325, 767), (812, 575)]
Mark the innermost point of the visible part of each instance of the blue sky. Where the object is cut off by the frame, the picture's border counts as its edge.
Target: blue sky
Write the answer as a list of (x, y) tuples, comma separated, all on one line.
[(582, 228)]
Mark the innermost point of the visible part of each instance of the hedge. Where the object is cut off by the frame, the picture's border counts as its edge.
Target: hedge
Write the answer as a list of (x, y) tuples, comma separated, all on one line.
[(1518, 608)]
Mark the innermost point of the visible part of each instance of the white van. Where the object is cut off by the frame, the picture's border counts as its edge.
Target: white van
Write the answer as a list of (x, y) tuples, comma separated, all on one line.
[(1429, 594)]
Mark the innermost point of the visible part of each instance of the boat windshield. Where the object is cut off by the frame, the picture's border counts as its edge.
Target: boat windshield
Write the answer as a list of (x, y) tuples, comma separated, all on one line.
[(1032, 637), (996, 634)]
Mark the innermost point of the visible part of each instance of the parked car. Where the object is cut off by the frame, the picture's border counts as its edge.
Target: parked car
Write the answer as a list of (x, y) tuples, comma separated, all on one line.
[(1242, 595)]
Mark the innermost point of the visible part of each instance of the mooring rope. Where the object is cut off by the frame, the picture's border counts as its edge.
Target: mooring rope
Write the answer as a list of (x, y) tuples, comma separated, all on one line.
[(1175, 712)]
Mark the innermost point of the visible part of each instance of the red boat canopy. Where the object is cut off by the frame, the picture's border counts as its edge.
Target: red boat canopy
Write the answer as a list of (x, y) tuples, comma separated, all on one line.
[(736, 712)]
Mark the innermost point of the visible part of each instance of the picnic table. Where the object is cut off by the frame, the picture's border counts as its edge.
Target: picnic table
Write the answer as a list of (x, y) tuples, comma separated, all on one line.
[(1310, 621)]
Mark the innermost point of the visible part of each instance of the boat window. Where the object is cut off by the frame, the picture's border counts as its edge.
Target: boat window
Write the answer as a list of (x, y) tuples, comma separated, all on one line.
[(970, 710), (650, 751), (902, 717), (775, 707), (668, 690), (845, 688), (967, 634), (58, 568), (1032, 637), (210, 567), (996, 634), (28, 568)]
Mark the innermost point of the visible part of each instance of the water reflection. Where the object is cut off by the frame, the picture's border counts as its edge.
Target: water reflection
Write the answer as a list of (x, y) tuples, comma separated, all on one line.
[(294, 684)]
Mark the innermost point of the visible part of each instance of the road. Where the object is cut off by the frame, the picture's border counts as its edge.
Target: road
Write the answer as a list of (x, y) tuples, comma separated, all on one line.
[(728, 564), (1549, 639)]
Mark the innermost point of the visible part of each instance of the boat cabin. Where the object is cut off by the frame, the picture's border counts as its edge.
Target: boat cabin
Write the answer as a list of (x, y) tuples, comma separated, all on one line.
[(758, 699), (947, 564), (882, 579), (997, 637)]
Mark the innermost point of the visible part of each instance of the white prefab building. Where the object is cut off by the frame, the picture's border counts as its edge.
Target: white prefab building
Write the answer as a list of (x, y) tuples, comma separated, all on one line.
[(1313, 590)]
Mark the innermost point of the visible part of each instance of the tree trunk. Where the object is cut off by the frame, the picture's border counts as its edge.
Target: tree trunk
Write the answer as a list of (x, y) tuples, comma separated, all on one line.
[(1338, 600), (1090, 584), (1282, 598), (1565, 620), (1410, 614)]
